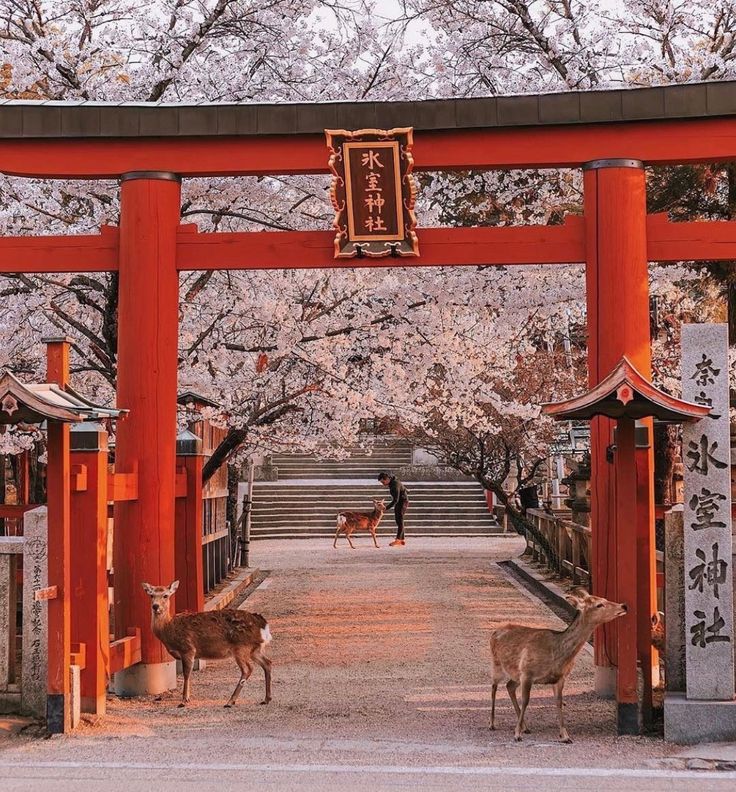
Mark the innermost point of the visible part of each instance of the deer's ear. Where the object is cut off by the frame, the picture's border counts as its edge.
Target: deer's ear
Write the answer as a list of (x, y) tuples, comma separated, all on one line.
[(173, 587), (147, 587), (577, 596)]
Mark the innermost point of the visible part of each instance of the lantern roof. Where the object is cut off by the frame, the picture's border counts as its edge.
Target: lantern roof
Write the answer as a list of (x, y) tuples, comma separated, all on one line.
[(626, 393), (33, 403)]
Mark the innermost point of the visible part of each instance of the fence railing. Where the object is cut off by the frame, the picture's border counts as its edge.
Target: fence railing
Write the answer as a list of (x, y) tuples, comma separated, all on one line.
[(571, 545), (569, 542)]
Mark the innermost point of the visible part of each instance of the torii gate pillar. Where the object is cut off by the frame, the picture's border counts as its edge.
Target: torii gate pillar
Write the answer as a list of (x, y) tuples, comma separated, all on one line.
[(148, 327), (618, 326)]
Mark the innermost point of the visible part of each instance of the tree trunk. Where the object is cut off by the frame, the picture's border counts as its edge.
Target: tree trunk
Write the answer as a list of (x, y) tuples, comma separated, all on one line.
[(666, 445), (233, 440), (521, 524)]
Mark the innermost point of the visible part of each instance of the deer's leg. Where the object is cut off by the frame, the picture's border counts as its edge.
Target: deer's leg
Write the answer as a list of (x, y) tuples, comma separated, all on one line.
[(187, 662), (350, 541), (494, 688), (265, 664), (511, 686), (375, 542), (337, 533), (246, 669), (526, 689), (557, 687)]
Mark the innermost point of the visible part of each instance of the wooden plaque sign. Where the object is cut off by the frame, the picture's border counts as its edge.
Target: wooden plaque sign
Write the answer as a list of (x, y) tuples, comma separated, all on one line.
[(373, 192)]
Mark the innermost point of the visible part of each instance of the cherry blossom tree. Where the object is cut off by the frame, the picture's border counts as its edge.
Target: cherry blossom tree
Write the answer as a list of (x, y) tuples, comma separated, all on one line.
[(297, 358)]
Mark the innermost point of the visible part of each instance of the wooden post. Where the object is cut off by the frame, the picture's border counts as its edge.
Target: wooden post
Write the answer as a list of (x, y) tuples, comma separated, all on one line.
[(189, 569), (646, 568), (618, 325), (90, 607), (626, 572), (58, 712), (148, 314)]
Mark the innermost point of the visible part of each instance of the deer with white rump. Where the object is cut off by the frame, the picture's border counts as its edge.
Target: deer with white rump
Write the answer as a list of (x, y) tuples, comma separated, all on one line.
[(348, 522), (525, 655), (210, 635)]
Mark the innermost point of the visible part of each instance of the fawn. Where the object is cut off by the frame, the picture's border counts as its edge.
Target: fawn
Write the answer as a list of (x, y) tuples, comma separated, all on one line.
[(211, 635), (350, 521), (525, 655)]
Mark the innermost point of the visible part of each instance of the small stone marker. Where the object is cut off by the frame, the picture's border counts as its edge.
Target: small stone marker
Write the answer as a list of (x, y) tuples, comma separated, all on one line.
[(709, 631), (7, 617), (35, 612)]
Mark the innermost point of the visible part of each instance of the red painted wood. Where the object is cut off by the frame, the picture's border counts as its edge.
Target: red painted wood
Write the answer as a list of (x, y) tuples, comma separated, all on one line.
[(90, 613), (58, 484), (656, 142), (618, 325), (126, 651), (122, 486), (437, 247), (627, 560), (188, 545), (666, 241), (646, 568), (147, 377), (90, 253)]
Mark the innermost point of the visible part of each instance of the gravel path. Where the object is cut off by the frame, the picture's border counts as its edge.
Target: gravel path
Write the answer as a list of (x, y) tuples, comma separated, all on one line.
[(380, 662)]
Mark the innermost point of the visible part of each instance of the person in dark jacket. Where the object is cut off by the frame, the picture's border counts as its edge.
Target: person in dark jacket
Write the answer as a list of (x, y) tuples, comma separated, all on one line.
[(399, 503)]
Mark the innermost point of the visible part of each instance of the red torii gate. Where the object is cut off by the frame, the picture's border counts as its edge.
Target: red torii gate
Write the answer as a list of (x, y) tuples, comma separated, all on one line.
[(150, 148)]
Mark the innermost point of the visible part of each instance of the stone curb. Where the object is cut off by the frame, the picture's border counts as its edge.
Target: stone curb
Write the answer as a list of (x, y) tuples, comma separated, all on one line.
[(240, 581)]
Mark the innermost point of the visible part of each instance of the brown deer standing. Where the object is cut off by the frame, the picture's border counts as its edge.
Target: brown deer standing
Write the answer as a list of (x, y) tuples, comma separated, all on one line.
[(211, 635), (350, 521), (525, 655)]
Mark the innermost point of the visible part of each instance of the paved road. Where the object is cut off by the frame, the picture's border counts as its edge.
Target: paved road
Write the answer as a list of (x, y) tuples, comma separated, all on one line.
[(381, 682)]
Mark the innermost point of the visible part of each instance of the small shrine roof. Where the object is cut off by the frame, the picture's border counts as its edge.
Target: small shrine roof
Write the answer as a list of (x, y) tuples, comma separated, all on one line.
[(626, 393), (192, 397), (33, 403)]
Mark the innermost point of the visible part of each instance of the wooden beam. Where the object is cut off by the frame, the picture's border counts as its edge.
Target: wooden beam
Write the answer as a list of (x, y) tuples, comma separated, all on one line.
[(122, 486), (700, 240), (556, 146), (708, 240), (125, 652), (439, 247), (89, 253)]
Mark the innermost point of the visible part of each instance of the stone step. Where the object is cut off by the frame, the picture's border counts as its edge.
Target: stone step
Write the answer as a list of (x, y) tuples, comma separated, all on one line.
[(327, 485), (322, 519), (453, 508), (329, 531)]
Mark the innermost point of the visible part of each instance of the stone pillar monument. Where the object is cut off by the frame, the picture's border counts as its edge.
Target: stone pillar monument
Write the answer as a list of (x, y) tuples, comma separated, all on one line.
[(707, 711)]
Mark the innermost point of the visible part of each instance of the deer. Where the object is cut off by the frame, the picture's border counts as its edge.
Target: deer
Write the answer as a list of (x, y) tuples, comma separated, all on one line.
[(658, 632), (350, 521), (524, 655), (211, 635)]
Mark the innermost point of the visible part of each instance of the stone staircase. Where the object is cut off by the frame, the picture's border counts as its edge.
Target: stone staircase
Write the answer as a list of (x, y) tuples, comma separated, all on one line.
[(309, 492), (387, 454)]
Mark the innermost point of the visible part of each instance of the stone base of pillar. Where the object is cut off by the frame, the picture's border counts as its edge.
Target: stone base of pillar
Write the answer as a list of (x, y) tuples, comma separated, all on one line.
[(628, 718), (604, 682), (146, 679), (689, 722)]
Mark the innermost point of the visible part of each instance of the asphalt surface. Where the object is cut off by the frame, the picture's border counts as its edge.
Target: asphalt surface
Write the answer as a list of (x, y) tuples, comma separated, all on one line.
[(380, 682)]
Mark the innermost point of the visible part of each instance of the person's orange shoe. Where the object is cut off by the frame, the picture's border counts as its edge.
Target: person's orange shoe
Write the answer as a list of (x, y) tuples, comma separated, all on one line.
[(397, 543)]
